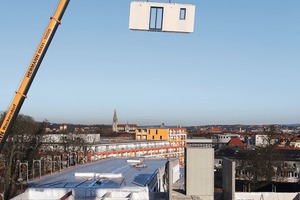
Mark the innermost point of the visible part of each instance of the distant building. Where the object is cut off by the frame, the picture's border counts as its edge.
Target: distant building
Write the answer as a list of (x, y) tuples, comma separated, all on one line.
[(223, 139), (152, 134), (63, 127), (236, 142), (176, 138), (261, 140), (215, 131), (122, 128), (67, 141), (295, 142)]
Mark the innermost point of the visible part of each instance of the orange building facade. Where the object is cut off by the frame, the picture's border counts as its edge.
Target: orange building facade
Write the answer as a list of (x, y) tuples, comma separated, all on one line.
[(152, 134)]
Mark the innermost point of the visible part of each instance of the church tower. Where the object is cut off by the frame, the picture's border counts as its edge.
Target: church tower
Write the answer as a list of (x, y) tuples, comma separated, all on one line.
[(115, 122)]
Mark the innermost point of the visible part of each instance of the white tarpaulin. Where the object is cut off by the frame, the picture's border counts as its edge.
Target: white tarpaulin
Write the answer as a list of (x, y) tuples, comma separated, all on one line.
[(266, 196)]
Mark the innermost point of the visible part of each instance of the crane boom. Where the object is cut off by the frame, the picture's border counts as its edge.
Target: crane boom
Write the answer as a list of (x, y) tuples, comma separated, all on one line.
[(32, 69)]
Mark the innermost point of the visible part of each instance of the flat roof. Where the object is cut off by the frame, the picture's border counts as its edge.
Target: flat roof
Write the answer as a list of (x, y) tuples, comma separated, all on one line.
[(131, 176)]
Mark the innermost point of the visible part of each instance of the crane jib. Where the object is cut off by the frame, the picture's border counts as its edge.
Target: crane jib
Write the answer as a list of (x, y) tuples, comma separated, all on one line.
[(20, 96), (32, 66), (10, 114), (38, 54)]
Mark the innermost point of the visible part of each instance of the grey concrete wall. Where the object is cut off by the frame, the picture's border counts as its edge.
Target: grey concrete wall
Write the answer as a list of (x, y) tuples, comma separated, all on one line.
[(228, 179), (199, 180)]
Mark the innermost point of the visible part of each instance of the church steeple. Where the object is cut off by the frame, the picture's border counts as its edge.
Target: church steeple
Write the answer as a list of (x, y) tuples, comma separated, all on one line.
[(115, 122)]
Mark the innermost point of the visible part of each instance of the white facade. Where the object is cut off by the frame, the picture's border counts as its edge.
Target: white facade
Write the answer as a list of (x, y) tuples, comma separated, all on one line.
[(59, 138), (226, 137), (265, 195), (165, 17), (261, 140)]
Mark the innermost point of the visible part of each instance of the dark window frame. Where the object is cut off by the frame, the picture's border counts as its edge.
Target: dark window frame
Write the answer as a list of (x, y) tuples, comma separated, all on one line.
[(156, 23), (182, 14)]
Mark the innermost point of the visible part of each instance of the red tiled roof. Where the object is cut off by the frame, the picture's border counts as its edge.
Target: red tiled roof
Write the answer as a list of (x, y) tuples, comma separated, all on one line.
[(236, 142), (216, 129), (295, 139)]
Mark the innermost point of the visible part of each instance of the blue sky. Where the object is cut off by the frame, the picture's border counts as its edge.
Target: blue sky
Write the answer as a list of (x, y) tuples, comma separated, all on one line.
[(240, 66)]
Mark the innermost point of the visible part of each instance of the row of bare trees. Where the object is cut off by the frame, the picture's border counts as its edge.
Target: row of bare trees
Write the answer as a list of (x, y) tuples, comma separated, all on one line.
[(262, 163), (21, 146), (24, 145)]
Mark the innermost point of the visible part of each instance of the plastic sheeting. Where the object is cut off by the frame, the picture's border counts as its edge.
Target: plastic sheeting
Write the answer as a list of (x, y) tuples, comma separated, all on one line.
[(266, 196), (43, 194), (133, 193)]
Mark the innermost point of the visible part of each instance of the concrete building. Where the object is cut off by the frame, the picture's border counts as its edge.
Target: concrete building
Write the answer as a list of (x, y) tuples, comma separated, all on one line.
[(175, 136), (229, 187), (178, 136), (201, 142), (59, 142), (223, 139), (107, 179), (177, 139), (199, 172)]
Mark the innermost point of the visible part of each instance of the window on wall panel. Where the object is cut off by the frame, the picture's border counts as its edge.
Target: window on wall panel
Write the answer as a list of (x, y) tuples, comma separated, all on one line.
[(182, 13), (156, 18)]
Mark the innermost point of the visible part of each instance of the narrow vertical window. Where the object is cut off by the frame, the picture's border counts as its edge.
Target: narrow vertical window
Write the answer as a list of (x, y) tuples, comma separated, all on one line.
[(182, 13), (156, 18)]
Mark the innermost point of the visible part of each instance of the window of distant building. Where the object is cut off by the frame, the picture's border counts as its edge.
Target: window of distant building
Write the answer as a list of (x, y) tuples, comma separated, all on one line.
[(152, 137), (156, 132), (156, 18), (160, 137)]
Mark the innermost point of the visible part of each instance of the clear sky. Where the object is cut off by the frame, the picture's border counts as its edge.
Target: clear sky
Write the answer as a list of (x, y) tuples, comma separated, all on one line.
[(240, 66)]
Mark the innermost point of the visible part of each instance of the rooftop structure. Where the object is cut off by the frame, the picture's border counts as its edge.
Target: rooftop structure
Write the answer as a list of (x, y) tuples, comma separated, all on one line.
[(103, 179)]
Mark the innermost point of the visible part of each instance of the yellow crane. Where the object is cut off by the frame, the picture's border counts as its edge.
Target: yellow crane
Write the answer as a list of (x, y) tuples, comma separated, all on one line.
[(140, 18), (32, 69)]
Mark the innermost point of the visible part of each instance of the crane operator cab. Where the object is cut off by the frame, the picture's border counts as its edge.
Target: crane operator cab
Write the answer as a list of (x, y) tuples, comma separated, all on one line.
[(161, 17)]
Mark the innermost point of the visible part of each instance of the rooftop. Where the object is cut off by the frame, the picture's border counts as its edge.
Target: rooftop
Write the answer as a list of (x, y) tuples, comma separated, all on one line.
[(108, 173)]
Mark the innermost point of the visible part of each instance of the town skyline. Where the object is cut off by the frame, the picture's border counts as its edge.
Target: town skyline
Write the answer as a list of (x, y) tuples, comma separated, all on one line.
[(239, 66)]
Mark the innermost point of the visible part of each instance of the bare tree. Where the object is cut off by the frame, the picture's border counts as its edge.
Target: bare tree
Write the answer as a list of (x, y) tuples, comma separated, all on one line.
[(21, 146), (261, 164)]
